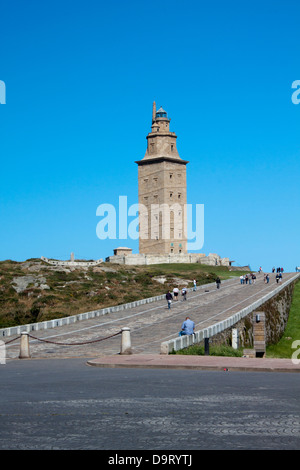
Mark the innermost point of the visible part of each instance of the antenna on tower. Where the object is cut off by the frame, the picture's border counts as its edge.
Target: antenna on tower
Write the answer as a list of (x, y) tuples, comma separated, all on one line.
[(153, 111)]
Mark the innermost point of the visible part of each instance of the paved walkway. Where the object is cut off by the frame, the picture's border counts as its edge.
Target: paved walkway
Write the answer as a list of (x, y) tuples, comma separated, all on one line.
[(150, 324)]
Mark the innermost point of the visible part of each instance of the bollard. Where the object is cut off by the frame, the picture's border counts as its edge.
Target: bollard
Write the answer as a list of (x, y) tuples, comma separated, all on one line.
[(2, 353), (206, 346), (164, 348), (125, 341), (235, 338), (24, 346)]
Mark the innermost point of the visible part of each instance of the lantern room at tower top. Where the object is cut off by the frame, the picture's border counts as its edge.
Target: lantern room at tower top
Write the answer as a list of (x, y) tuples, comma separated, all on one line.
[(161, 113), (160, 120)]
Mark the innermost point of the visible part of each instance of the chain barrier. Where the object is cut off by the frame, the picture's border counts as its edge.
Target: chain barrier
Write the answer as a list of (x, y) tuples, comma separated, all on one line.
[(7, 342), (74, 344)]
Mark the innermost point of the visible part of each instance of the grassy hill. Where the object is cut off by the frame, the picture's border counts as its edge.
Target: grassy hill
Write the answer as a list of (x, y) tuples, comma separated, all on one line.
[(33, 291)]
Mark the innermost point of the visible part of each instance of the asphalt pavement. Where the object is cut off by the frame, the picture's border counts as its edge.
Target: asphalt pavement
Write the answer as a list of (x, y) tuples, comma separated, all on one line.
[(65, 404)]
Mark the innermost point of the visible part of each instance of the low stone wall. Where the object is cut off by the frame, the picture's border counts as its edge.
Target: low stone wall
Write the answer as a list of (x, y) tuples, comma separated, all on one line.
[(143, 259), (276, 306), (72, 264), (276, 312)]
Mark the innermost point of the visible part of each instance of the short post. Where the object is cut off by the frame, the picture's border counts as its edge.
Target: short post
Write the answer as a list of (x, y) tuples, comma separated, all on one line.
[(24, 346), (259, 334), (164, 348), (206, 346), (125, 341), (2, 353), (235, 338)]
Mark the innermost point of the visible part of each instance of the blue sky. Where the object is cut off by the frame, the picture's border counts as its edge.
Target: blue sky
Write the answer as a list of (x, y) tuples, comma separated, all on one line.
[(80, 81)]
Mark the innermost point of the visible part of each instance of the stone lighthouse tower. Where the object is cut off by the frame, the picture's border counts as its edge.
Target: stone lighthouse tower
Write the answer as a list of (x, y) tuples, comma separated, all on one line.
[(162, 191)]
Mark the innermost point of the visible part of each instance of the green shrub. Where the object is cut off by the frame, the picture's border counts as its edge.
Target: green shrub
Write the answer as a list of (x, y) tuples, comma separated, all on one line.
[(222, 350)]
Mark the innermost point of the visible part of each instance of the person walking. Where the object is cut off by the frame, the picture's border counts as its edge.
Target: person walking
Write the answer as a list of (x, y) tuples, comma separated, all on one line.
[(169, 298), (195, 285), (187, 327), (218, 282), (175, 293)]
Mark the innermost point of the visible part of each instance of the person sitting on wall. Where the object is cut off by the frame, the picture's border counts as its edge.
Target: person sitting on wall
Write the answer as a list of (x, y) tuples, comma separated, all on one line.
[(187, 327)]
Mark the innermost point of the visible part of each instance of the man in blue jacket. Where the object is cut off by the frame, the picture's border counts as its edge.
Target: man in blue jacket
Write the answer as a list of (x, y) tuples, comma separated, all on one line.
[(187, 327)]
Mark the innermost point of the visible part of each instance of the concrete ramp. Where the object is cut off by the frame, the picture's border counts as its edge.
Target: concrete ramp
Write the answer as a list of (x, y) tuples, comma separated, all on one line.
[(152, 324)]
